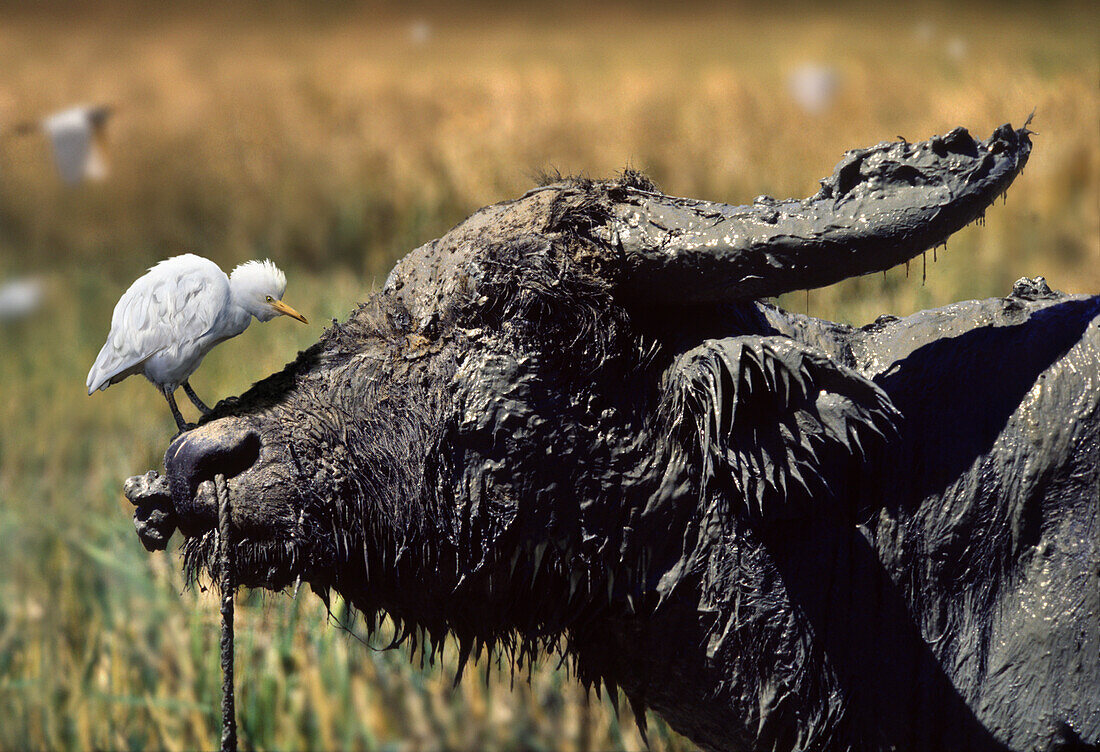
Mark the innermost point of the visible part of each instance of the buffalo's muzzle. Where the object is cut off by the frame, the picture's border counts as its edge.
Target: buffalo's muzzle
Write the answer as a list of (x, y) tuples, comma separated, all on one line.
[(228, 446)]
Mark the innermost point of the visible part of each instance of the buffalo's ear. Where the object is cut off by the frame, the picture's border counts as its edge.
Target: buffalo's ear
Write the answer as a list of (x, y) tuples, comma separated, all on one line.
[(771, 420)]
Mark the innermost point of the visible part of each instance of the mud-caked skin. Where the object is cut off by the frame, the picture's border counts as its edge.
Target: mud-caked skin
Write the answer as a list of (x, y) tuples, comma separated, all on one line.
[(570, 423)]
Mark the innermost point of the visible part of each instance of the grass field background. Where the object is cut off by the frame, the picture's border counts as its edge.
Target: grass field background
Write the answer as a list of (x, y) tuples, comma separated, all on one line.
[(334, 142)]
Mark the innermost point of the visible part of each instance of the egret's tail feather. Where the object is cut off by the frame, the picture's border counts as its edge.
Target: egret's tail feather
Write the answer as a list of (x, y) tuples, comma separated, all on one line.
[(103, 370)]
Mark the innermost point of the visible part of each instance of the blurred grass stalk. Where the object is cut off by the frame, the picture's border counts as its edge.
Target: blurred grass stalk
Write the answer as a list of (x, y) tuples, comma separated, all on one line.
[(336, 143)]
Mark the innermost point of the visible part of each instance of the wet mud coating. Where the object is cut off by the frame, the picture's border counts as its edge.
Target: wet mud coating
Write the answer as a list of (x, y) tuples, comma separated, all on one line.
[(573, 424)]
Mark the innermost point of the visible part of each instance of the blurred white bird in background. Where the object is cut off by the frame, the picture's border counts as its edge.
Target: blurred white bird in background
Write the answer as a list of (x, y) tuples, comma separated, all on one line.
[(20, 298), (957, 48), (420, 31), (169, 319), (78, 139), (813, 86)]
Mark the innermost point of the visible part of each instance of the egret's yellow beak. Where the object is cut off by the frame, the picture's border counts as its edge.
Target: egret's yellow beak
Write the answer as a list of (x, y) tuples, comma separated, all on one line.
[(286, 310)]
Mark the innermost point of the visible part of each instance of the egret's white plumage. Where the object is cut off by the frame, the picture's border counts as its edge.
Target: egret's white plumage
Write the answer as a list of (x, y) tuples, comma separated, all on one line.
[(813, 87), (78, 140), (20, 298), (169, 319)]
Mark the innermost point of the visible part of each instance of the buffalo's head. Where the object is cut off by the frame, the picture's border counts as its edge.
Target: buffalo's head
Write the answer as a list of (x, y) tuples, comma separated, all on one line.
[(521, 429)]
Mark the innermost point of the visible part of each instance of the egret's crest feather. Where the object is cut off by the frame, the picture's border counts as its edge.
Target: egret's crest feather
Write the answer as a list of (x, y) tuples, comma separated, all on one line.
[(260, 276)]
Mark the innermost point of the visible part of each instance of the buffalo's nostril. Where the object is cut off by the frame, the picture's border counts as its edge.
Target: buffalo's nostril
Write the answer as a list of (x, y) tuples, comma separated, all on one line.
[(228, 446)]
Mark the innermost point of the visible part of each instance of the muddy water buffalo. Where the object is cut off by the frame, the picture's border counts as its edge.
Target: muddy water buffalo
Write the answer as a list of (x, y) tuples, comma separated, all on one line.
[(573, 423)]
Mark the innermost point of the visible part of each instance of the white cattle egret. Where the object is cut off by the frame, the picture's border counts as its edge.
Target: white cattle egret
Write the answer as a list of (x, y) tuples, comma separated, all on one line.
[(170, 318), (420, 32), (957, 49), (78, 140), (20, 298), (813, 87)]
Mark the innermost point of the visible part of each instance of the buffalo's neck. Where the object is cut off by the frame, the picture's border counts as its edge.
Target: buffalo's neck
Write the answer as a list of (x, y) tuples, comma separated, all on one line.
[(944, 527), (728, 588)]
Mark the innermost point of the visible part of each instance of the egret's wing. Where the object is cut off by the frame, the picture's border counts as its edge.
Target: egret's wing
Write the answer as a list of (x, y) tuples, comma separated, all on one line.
[(166, 310), (70, 136)]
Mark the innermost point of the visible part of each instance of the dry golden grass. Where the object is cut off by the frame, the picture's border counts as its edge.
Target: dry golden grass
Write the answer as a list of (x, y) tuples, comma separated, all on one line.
[(345, 141), (334, 144)]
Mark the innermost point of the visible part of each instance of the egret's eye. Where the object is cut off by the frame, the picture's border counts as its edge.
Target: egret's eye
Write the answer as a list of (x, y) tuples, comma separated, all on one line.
[(269, 298)]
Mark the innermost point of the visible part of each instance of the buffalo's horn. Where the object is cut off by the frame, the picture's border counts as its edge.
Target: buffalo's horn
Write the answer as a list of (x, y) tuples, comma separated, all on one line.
[(881, 206)]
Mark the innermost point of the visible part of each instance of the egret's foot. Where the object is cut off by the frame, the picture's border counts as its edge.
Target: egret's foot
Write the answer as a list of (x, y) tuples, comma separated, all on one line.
[(195, 399), (182, 427), (181, 424)]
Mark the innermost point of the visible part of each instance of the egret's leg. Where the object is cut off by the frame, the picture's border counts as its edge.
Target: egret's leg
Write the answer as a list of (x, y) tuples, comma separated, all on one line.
[(181, 424), (195, 399)]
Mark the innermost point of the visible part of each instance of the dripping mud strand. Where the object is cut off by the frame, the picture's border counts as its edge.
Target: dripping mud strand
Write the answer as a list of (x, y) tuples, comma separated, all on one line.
[(226, 588)]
